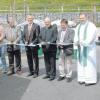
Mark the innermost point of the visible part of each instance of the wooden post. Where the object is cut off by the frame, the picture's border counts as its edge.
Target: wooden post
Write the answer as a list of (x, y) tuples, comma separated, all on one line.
[(25, 9), (94, 13), (14, 10)]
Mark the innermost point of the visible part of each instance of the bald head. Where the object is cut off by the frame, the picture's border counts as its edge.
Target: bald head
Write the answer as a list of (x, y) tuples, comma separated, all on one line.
[(30, 19), (11, 21), (82, 18), (47, 22)]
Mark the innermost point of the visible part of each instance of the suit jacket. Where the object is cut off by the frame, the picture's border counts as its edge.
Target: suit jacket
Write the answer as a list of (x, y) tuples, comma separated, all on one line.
[(34, 34), (68, 38), (49, 35)]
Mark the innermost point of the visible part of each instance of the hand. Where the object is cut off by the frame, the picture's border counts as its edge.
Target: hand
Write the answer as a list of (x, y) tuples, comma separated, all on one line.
[(9, 43), (40, 45), (14, 43), (47, 46), (61, 47), (77, 43), (48, 42), (83, 43), (43, 43), (31, 44), (58, 44), (26, 43)]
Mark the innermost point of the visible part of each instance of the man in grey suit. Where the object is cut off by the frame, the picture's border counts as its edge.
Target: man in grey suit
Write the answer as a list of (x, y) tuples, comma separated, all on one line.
[(30, 36), (49, 34), (65, 36)]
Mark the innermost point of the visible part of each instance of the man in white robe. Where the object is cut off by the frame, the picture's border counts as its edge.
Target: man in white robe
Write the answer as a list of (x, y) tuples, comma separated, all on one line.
[(85, 50)]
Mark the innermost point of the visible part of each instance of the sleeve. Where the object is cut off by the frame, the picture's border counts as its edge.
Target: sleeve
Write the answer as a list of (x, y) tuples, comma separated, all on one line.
[(37, 34), (2, 35), (75, 51), (76, 37), (71, 36), (91, 35), (58, 39), (23, 34), (5, 36), (55, 34), (18, 32), (40, 35)]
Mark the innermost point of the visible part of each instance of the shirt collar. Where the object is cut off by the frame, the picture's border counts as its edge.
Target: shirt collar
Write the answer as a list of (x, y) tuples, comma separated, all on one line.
[(64, 30)]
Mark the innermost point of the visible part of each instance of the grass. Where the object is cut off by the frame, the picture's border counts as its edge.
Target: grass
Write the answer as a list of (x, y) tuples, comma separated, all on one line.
[(50, 5), (98, 24)]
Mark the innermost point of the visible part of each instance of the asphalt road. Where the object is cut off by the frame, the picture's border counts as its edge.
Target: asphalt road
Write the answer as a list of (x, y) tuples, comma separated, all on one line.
[(26, 88)]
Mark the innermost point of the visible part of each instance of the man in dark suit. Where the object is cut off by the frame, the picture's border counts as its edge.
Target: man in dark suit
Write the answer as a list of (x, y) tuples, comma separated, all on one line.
[(49, 34), (30, 36)]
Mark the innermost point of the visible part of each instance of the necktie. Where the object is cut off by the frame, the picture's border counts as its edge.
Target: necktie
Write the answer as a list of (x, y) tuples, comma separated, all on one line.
[(29, 30)]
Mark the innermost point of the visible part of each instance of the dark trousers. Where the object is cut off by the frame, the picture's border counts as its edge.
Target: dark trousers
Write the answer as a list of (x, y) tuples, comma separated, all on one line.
[(17, 55), (33, 60), (50, 63)]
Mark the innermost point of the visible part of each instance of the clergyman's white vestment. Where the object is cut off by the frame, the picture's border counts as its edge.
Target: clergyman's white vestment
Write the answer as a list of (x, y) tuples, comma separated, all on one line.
[(85, 35)]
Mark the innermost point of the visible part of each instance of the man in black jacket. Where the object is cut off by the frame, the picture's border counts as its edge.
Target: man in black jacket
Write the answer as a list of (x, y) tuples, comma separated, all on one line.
[(30, 36), (49, 34)]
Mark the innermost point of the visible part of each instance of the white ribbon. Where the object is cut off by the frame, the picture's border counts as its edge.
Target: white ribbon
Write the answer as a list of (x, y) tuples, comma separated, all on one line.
[(40, 44)]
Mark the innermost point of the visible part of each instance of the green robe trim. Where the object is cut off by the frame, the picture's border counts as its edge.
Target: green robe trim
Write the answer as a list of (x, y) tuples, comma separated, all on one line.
[(82, 55)]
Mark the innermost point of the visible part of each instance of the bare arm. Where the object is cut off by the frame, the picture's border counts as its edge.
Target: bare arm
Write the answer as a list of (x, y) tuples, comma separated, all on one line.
[(1, 33)]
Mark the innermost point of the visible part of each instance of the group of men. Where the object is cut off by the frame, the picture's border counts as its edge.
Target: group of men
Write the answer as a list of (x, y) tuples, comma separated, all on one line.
[(81, 41)]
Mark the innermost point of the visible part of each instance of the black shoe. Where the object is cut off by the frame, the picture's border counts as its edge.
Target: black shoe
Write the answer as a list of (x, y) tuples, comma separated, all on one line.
[(60, 78), (81, 83), (4, 72), (51, 78), (35, 75), (19, 72), (89, 84), (69, 79), (10, 73), (30, 74), (45, 77)]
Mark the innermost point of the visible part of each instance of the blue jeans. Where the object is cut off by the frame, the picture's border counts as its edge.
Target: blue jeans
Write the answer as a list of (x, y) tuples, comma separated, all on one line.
[(3, 59)]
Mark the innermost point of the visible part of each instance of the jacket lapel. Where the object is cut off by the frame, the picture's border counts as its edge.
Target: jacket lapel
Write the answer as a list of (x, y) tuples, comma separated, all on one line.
[(66, 35), (59, 35), (32, 32), (26, 32)]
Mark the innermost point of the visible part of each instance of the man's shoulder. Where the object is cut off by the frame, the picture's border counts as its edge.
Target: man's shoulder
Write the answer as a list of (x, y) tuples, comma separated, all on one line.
[(36, 25), (54, 26), (26, 25), (91, 24), (43, 28), (70, 30)]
